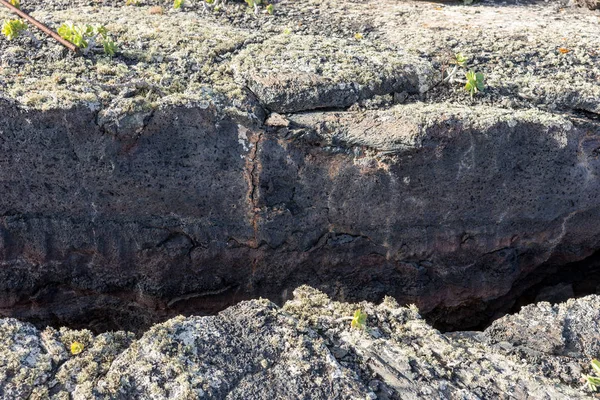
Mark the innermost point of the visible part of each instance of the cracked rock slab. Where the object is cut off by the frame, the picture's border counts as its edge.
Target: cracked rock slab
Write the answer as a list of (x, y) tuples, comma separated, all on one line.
[(290, 73), (560, 339), (410, 127)]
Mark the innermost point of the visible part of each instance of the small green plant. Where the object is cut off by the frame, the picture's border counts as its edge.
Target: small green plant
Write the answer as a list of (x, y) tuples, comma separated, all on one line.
[(177, 4), (270, 9), (460, 60), (86, 37), (254, 5), (76, 348), (474, 82), (133, 3), (16, 3), (13, 28), (359, 320), (75, 34), (109, 46), (592, 382)]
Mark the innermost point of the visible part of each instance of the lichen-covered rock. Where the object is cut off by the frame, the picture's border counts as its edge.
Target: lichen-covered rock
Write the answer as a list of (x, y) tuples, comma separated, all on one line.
[(559, 339), (251, 350), (152, 69), (591, 4), (405, 358), (37, 365), (25, 365), (305, 350), (291, 73)]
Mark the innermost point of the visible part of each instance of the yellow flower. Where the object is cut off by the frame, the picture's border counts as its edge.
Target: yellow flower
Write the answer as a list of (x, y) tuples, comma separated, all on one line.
[(76, 348), (358, 36)]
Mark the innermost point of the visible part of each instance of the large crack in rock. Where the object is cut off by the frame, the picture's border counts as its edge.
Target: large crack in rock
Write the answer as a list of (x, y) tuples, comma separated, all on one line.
[(161, 181), (307, 349)]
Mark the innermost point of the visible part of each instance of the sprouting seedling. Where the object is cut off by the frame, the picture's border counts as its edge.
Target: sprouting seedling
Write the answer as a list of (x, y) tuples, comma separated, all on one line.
[(75, 34), (474, 82), (177, 4), (359, 320), (460, 60), (76, 348), (86, 36), (592, 382), (13, 28), (215, 5), (15, 3), (253, 4), (109, 46)]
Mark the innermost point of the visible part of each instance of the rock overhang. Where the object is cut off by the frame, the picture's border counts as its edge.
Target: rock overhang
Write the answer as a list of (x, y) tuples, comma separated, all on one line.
[(412, 126)]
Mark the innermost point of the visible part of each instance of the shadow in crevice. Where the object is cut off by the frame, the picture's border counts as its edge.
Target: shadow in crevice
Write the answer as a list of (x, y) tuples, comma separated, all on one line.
[(561, 283), (550, 283)]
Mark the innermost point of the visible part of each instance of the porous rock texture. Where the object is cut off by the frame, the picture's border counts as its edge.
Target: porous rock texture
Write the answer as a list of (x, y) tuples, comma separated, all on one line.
[(307, 350), (221, 156)]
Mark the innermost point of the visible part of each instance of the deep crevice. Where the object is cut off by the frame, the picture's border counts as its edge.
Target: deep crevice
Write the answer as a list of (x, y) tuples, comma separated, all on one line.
[(129, 309), (552, 283)]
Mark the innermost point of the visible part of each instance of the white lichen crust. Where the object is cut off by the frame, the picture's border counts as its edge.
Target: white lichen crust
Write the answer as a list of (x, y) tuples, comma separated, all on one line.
[(307, 349)]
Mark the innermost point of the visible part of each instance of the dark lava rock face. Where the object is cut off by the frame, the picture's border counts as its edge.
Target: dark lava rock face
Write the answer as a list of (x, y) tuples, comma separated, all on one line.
[(195, 211), (255, 154)]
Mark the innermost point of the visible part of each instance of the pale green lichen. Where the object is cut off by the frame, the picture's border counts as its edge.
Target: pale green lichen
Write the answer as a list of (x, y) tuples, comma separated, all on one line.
[(339, 60), (291, 73), (180, 68)]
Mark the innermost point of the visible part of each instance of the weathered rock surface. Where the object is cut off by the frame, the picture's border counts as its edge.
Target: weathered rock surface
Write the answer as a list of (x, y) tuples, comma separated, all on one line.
[(307, 350), (591, 4), (297, 73), (163, 182)]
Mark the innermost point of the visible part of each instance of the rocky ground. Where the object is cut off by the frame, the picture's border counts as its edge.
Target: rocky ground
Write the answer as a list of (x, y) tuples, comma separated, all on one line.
[(308, 350), (542, 54), (222, 156)]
